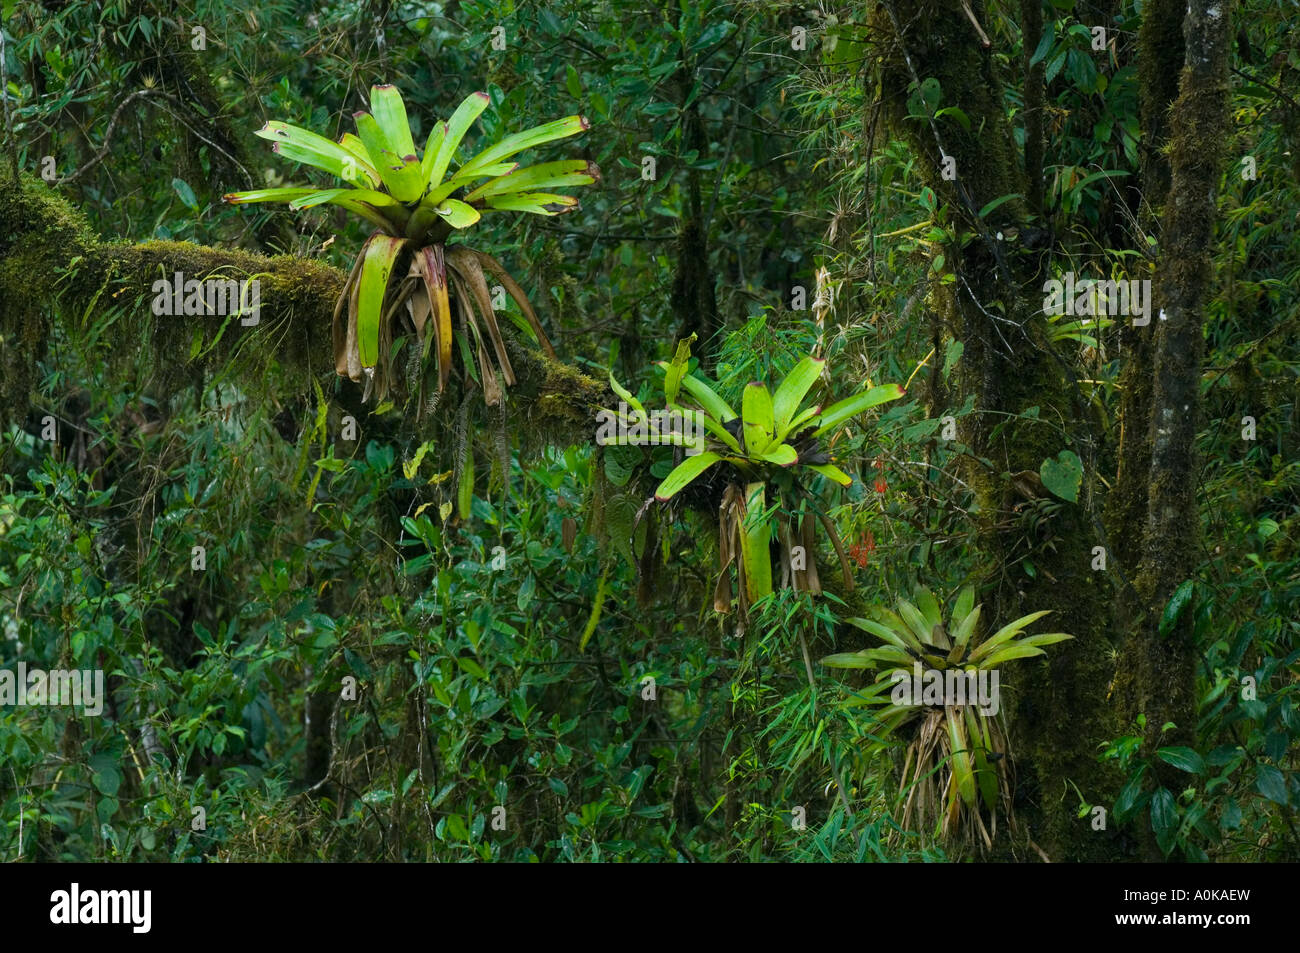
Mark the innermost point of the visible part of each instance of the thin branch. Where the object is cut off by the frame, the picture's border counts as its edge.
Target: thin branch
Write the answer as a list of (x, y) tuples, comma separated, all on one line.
[(98, 157)]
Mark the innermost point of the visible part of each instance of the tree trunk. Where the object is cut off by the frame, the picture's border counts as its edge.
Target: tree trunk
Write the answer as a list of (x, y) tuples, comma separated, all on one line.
[(1157, 672), (1057, 706)]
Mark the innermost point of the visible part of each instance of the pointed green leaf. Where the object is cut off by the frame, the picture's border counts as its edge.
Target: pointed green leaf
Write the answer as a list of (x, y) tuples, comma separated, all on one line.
[(901, 638), (519, 141), (714, 405), (674, 372), (848, 660), (890, 654), (400, 171), (719, 432), (684, 473), (1182, 758), (548, 175), (330, 196), (468, 111), (1003, 634), (624, 394), (832, 472), (457, 181), (302, 145), (1178, 602), (929, 606), (1047, 638), (357, 148), (961, 608), (783, 455), (535, 203), (915, 621), (457, 213), (1008, 653), (431, 148), (804, 416), (269, 195), (839, 412), (966, 628)]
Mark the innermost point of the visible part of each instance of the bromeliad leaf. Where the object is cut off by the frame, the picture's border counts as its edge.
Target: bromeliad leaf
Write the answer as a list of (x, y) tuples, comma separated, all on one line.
[(301, 145), (756, 413), (379, 256), (837, 413), (790, 394), (457, 214), (468, 111), (538, 135), (684, 473), (535, 203), (714, 405), (548, 175), (390, 112), (399, 171)]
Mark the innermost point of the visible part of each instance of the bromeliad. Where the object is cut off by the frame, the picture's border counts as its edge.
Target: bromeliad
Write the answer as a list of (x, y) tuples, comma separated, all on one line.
[(763, 450), (416, 203), (956, 766)]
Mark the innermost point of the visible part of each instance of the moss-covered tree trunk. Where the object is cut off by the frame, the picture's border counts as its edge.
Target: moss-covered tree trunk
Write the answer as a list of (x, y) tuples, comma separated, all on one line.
[(994, 307), (1157, 672), (1160, 58)]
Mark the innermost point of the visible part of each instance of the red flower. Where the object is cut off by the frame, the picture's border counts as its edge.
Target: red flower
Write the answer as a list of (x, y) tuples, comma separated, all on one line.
[(861, 552)]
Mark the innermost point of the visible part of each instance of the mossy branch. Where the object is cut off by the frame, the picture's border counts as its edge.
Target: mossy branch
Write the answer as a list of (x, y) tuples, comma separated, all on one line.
[(54, 268)]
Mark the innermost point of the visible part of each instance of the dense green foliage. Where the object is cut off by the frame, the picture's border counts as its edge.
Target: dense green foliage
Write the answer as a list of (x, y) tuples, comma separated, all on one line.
[(539, 669)]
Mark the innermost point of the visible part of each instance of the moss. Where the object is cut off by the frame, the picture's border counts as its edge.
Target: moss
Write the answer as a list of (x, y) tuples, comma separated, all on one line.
[(562, 402), (38, 231), (53, 266)]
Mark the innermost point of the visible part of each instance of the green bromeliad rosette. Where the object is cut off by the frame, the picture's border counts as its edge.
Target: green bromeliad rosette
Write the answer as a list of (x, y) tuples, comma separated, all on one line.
[(769, 454), (416, 202), (956, 779)]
